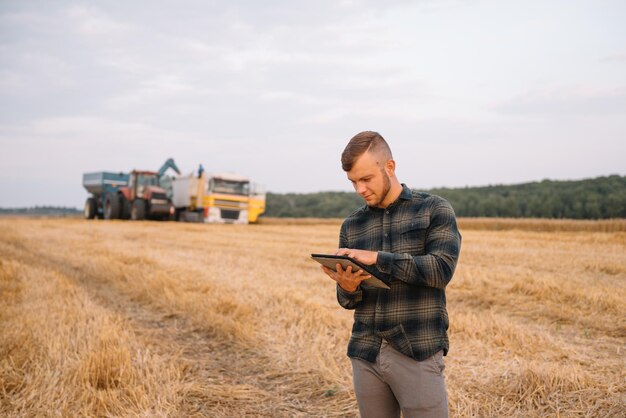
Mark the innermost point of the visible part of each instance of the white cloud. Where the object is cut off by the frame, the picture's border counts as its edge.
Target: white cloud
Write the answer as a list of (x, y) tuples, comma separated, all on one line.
[(93, 22), (568, 100), (274, 89), (619, 57)]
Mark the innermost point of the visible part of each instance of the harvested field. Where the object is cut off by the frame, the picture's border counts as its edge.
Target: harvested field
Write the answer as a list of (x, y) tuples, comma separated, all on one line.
[(125, 318)]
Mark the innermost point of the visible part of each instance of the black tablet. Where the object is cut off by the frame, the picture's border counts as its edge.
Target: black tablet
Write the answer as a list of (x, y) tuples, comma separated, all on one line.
[(331, 262)]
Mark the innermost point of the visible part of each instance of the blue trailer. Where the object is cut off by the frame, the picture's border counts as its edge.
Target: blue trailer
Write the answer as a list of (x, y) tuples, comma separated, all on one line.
[(136, 195), (101, 184)]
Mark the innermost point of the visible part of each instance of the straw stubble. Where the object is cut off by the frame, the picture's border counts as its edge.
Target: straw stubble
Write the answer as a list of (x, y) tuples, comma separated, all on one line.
[(170, 319)]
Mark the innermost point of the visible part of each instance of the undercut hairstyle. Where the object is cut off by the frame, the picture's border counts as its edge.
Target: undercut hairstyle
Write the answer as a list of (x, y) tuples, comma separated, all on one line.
[(362, 143)]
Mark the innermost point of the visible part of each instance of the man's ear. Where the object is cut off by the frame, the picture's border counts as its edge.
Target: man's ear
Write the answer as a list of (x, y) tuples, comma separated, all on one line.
[(390, 168)]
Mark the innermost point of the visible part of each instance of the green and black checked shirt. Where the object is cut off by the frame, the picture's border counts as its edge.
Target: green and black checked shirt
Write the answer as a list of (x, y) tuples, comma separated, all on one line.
[(418, 246)]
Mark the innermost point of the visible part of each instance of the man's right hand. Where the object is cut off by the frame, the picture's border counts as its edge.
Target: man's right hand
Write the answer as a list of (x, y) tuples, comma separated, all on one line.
[(348, 280)]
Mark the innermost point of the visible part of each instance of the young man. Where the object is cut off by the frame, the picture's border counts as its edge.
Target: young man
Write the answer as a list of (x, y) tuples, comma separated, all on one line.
[(411, 240)]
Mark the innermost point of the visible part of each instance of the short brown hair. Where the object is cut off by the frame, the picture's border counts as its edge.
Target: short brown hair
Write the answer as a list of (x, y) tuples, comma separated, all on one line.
[(360, 144)]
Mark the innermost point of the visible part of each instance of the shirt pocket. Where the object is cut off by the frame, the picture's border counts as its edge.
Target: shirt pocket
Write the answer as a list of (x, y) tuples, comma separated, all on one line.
[(412, 236)]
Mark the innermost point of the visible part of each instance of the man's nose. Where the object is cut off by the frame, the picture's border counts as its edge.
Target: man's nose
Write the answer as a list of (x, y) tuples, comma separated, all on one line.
[(360, 188)]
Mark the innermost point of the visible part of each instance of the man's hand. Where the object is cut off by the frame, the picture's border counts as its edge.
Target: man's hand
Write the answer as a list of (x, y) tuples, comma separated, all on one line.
[(348, 280), (362, 256)]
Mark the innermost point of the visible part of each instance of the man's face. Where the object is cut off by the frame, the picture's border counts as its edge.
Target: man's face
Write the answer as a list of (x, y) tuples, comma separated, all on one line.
[(370, 178)]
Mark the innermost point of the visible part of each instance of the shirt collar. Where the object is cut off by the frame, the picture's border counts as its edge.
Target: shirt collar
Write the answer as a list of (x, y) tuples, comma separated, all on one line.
[(405, 194)]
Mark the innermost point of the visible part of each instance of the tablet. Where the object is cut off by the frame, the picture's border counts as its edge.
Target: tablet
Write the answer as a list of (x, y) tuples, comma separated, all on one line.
[(331, 262)]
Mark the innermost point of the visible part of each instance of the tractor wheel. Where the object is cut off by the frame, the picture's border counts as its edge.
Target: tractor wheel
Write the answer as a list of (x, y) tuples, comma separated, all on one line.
[(125, 209), (91, 208), (138, 210), (112, 206)]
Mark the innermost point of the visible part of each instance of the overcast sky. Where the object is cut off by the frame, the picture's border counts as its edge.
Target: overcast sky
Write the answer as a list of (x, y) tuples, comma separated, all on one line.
[(466, 92)]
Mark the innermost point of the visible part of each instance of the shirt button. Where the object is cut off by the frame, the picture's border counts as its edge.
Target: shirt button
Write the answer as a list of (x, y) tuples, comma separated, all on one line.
[(386, 235), (387, 212)]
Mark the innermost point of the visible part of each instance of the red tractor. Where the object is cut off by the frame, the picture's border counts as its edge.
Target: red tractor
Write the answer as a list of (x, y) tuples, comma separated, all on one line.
[(141, 198)]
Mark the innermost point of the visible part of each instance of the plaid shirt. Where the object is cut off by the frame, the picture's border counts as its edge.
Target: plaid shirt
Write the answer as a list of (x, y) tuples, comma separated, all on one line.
[(418, 245)]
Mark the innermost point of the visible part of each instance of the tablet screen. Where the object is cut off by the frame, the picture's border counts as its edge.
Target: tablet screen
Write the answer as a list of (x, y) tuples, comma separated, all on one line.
[(331, 261)]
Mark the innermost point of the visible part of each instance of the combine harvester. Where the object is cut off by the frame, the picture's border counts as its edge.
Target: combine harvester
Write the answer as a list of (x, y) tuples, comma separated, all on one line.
[(217, 198), (135, 196)]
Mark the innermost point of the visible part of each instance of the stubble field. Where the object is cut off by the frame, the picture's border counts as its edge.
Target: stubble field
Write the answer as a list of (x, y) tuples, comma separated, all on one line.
[(169, 319)]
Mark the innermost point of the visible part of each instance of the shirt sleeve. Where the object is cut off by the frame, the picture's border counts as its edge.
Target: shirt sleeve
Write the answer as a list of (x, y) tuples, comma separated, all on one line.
[(348, 300), (436, 267)]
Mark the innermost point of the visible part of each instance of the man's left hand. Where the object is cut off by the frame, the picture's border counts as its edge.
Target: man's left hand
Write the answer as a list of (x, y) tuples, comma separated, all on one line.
[(367, 258)]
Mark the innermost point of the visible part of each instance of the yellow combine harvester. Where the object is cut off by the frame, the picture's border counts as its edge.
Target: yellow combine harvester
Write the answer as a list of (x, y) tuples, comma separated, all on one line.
[(256, 204), (217, 198)]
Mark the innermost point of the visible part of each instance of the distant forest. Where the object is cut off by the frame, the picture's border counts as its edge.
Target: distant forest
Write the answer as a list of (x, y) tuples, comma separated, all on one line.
[(42, 211), (597, 198)]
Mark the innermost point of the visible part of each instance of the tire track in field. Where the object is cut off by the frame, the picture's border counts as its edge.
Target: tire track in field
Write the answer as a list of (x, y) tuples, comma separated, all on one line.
[(222, 377)]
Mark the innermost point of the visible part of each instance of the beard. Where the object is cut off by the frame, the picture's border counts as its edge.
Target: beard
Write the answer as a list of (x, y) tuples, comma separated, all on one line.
[(385, 190)]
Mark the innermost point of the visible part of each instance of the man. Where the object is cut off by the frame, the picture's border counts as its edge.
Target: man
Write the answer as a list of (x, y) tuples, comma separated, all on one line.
[(411, 240)]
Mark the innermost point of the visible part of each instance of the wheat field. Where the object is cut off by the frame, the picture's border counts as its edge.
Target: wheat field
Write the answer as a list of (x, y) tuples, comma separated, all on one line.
[(148, 319)]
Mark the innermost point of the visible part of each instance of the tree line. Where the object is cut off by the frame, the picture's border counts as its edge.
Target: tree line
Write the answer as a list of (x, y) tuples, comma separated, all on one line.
[(41, 211), (597, 198)]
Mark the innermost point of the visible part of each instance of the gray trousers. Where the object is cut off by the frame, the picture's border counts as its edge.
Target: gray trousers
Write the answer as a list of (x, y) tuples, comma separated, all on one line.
[(397, 383)]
